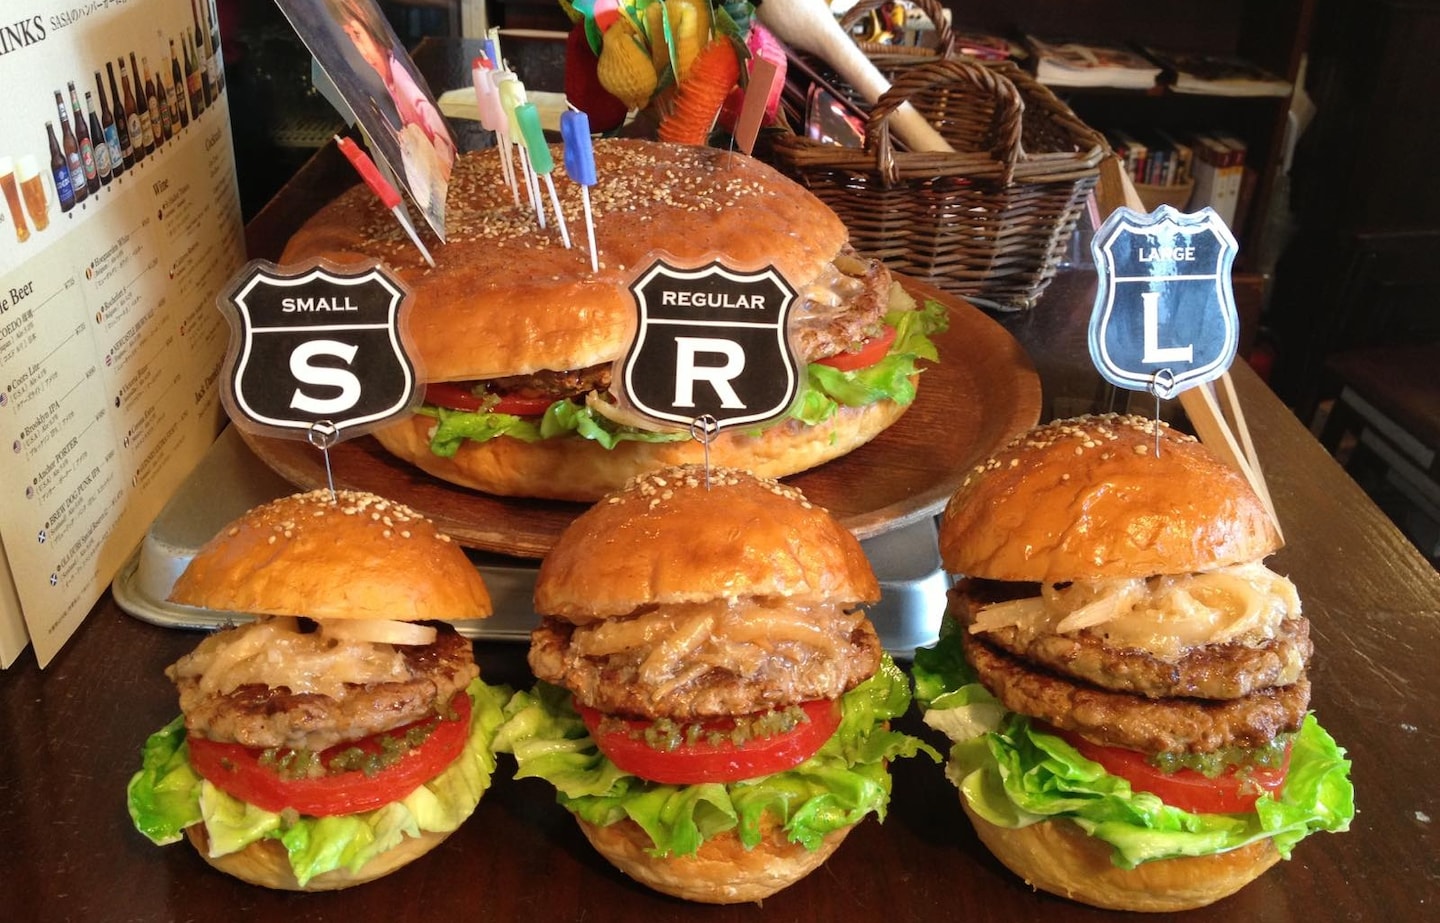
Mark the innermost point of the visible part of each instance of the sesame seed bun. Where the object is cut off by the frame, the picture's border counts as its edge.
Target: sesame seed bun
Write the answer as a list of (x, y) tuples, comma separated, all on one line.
[(1059, 857), (666, 538), (1090, 498), (506, 298), (266, 863), (722, 870), (357, 556)]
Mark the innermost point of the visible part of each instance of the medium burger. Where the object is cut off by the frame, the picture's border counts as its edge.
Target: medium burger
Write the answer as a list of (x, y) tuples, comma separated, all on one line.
[(714, 704), (517, 335), (1124, 680), (344, 731)]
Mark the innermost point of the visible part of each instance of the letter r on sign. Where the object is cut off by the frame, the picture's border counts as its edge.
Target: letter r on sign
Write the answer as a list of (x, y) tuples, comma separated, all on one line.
[(687, 372)]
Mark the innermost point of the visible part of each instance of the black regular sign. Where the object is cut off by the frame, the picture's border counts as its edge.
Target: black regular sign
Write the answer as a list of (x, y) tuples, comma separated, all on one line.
[(316, 345), (713, 342)]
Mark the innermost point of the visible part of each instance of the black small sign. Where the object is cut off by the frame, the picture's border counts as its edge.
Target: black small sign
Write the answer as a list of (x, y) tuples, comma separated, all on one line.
[(1164, 317), (316, 344), (711, 341)]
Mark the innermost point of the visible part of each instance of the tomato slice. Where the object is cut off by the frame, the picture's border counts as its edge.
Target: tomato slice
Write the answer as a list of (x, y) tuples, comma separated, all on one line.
[(1234, 791), (522, 406), (867, 355), (456, 396), (452, 394), (240, 771), (712, 756)]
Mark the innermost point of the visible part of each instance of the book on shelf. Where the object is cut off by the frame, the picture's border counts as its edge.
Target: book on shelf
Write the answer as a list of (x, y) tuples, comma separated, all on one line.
[(987, 47), (1069, 63), (1152, 158), (1219, 167), (1216, 74)]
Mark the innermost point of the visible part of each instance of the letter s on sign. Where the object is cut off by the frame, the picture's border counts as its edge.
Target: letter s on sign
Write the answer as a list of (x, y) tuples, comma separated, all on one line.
[(306, 373)]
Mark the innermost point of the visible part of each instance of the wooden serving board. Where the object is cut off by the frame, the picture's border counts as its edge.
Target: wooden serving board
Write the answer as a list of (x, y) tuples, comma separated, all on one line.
[(983, 391)]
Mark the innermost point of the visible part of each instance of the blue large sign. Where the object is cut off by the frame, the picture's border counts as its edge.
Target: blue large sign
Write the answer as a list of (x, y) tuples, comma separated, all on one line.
[(1164, 317)]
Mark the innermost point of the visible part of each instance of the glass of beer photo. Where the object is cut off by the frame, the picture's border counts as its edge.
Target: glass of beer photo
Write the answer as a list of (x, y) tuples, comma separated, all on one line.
[(12, 197), (34, 191)]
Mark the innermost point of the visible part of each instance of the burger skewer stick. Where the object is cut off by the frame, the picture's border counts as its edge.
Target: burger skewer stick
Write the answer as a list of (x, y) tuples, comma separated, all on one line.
[(493, 119), (580, 165), (492, 46), (540, 160), (512, 95), (389, 195), (504, 137), (322, 435), (1207, 415), (763, 75), (808, 25)]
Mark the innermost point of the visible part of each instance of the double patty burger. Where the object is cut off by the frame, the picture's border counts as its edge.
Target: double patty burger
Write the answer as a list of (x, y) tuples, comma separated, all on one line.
[(517, 335), (713, 703), (342, 733), (1124, 679)]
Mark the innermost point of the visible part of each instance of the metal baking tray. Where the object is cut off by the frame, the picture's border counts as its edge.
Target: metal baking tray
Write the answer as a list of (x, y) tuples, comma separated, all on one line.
[(230, 480)]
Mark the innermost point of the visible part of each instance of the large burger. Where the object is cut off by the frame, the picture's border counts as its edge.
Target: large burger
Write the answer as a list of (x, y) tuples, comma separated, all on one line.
[(344, 731), (517, 335), (714, 703), (1124, 680)]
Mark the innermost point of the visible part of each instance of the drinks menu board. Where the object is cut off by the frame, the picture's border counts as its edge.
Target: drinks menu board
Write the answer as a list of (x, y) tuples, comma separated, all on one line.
[(120, 223)]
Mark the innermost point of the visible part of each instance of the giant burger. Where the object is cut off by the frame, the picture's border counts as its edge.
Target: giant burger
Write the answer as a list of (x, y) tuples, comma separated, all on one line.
[(714, 703), (1125, 681), (345, 730), (517, 335)]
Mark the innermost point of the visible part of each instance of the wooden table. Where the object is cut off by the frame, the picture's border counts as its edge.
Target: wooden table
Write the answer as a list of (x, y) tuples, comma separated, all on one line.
[(72, 736)]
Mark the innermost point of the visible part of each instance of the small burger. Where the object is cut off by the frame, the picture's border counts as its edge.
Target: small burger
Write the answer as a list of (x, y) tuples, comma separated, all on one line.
[(344, 731), (1124, 680), (714, 704), (517, 335)]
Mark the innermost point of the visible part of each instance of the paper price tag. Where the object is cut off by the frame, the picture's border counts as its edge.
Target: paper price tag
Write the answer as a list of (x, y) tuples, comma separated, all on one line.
[(1164, 317), (316, 344), (710, 341)]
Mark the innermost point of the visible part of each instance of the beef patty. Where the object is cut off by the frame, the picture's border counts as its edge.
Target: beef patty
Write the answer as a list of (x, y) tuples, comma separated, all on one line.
[(1165, 725), (699, 671), (1223, 671), (272, 716)]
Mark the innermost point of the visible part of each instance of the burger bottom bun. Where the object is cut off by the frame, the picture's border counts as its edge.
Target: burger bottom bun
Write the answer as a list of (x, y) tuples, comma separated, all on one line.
[(1059, 857), (266, 863), (722, 871), (575, 468)]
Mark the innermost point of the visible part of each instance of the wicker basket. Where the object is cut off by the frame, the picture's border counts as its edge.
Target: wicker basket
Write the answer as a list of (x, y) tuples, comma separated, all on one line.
[(988, 222), (886, 56)]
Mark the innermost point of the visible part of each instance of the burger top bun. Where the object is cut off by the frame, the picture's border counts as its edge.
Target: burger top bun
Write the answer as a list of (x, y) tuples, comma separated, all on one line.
[(357, 557), (1088, 498), (665, 538), (506, 298)]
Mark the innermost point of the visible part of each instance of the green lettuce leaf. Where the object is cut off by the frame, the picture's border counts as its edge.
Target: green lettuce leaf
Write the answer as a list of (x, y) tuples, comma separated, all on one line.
[(1013, 774), (845, 780), (822, 393), (167, 795)]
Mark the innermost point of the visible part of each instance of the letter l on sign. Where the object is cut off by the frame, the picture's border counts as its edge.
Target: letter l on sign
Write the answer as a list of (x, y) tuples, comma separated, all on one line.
[(1150, 305)]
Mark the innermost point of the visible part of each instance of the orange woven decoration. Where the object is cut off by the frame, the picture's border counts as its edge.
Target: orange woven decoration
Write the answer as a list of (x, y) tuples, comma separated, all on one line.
[(699, 97)]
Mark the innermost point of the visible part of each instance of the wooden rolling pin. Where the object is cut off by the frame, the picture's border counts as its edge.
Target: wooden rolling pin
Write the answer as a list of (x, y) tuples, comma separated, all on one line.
[(808, 25)]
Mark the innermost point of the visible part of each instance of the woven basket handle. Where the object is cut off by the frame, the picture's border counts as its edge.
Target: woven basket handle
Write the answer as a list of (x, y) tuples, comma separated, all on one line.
[(955, 73), (934, 10)]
